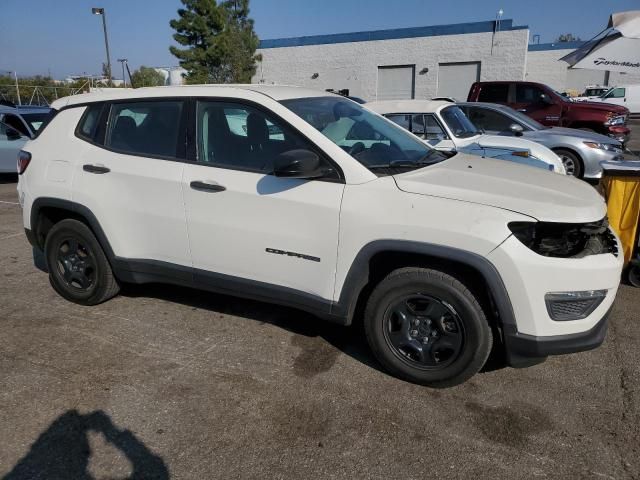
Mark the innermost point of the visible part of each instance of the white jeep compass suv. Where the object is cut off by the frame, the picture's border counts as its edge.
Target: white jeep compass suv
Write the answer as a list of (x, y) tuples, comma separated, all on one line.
[(261, 192)]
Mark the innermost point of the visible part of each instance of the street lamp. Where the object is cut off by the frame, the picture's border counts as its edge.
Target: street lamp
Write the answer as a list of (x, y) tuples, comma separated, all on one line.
[(101, 12), (124, 79)]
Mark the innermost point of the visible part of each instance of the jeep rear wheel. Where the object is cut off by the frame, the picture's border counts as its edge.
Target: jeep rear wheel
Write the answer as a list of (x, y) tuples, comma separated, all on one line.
[(426, 327), (78, 268)]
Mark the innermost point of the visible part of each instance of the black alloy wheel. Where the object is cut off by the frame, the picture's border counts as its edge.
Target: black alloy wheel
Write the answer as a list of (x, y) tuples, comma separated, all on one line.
[(424, 331), (76, 264)]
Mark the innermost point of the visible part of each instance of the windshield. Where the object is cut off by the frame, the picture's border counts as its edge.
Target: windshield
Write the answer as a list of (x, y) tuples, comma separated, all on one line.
[(458, 122), (369, 138)]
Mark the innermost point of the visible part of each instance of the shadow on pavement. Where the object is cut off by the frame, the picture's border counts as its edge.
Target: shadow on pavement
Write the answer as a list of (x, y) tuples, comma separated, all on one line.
[(8, 178), (63, 451), (320, 342)]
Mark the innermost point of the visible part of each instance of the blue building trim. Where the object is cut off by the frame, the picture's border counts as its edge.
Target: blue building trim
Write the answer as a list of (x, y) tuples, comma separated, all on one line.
[(539, 47), (396, 33)]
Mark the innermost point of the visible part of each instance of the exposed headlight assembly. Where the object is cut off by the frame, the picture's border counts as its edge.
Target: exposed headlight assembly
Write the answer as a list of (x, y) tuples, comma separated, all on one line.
[(616, 120), (565, 240), (609, 147)]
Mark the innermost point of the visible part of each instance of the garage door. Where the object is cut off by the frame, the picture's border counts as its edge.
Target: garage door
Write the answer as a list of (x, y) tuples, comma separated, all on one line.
[(455, 79), (396, 82)]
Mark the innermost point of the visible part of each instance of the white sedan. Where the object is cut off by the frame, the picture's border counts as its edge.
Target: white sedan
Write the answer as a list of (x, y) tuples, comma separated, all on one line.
[(445, 127)]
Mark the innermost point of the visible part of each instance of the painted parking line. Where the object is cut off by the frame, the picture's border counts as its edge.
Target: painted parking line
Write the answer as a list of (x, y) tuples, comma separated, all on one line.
[(9, 203)]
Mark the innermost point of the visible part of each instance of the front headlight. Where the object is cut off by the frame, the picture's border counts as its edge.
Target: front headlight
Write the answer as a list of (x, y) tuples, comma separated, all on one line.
[(616, 120), (565, 240), (609, 147)]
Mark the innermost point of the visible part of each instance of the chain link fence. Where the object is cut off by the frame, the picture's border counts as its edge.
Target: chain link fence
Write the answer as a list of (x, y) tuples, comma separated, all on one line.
[(26, 94)]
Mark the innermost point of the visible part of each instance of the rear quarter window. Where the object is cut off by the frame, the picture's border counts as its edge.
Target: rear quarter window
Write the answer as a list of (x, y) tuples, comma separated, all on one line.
[(494, 93), (89, 121)]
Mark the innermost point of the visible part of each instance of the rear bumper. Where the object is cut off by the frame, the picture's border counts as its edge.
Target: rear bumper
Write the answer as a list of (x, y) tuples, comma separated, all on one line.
[(523, 350)]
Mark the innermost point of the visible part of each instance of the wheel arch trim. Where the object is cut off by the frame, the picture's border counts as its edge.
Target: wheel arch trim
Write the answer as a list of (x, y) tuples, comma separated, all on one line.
[(80, 210), (358, 275)]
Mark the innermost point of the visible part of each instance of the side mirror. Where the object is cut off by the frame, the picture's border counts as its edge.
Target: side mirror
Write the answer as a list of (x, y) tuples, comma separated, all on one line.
[(516, 129), (13, 134), (297, 164), (544, 98)]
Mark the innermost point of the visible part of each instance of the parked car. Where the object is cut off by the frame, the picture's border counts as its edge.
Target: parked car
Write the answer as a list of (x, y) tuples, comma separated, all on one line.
[(591, 93), (11, 142), (446, 255), (445, 127), (626, 95), (26, 119), (549, 108), (581, 151)]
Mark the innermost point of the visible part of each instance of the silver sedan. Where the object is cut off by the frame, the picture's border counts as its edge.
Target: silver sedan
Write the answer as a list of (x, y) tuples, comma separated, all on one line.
[(581, 151)]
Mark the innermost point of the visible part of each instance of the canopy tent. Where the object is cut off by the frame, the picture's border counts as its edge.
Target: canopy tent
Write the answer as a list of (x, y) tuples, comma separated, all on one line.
[(617, 48)]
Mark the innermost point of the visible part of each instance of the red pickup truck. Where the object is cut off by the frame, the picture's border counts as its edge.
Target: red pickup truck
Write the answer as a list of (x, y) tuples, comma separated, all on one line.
[(550, 108)]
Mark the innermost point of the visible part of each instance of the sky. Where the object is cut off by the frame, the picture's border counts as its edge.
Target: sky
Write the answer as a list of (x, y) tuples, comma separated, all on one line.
[(62, 37)]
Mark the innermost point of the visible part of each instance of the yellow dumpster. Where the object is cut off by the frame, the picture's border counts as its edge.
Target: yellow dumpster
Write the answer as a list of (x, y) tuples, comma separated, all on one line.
[(621, 185)]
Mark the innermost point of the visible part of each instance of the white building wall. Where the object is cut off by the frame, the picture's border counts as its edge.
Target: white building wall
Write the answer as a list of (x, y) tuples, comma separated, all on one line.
[(354, 65)]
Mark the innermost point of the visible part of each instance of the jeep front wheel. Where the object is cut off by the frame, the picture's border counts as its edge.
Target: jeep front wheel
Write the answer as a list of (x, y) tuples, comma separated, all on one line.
[(426, 327)]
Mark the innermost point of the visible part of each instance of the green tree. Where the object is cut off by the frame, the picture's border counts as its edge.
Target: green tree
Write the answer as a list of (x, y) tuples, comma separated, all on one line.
[(220, 40), (147, 77)]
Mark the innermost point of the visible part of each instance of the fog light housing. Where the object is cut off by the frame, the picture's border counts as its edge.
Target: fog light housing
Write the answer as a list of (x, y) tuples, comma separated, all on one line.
[(565, 306)]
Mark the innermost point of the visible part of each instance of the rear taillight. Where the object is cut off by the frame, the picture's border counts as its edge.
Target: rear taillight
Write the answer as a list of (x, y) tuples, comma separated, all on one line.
[(24, 158)]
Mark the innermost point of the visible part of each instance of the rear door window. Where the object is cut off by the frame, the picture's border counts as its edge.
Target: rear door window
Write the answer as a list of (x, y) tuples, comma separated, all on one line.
[(145, 128), (495, 92)]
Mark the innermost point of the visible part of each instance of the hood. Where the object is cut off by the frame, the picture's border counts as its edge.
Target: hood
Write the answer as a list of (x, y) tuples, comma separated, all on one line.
[(537, 150), (545, 196), (583, 134), (603, 106)]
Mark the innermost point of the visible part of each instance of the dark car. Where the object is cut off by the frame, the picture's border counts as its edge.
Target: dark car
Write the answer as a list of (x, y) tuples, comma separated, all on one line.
[(548, 107), (26, 119)]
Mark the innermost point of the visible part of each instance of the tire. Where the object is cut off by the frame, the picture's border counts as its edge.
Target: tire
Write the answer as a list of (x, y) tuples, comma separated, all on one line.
[(572, 162), (78, 268), (433, 301)]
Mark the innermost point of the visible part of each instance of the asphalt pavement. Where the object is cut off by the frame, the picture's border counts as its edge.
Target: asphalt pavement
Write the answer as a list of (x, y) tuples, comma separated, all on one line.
[(164, 382)]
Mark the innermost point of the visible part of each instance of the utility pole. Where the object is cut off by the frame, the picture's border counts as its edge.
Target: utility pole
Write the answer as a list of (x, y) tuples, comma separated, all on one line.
[(17, 88), (103, 14), (124, 79)]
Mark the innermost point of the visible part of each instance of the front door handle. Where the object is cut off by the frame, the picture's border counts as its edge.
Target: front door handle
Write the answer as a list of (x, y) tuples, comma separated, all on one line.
[(99, 169), (207, 186), (522, 109)]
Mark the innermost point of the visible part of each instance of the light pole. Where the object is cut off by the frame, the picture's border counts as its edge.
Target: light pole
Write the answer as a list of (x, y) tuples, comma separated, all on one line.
[(124, 79), (101, 12)]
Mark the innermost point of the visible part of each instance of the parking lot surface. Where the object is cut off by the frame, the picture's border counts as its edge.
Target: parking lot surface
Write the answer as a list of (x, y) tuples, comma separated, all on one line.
[(164, 382)]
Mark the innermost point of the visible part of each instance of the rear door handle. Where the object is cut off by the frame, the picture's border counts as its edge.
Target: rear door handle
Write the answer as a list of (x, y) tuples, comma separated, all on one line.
[(207, 186), (99, 169)]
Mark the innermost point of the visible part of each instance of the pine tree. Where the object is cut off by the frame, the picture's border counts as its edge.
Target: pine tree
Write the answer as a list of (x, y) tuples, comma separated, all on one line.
[(220, 41)]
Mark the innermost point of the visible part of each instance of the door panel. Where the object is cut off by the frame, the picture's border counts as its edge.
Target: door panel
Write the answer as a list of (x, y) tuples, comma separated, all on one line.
[(528, 101), (138, 204), (260, 227), (135, 194), (244, 221)]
